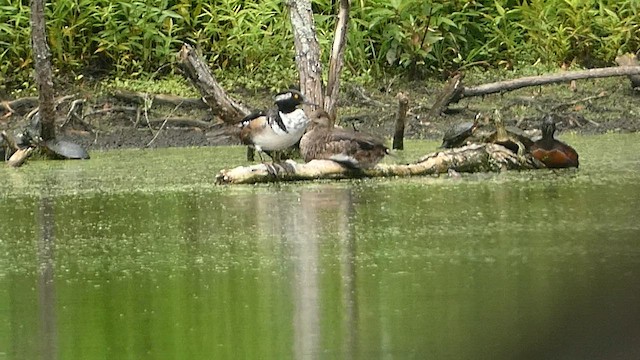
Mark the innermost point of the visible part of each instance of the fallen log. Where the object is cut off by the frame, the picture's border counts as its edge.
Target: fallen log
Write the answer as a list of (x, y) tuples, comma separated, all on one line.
[(455, 89), (467, 159), (19, 157), (565, 76)]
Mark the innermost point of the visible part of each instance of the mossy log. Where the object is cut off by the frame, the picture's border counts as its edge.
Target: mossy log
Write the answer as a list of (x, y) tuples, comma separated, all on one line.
[(467, 159)]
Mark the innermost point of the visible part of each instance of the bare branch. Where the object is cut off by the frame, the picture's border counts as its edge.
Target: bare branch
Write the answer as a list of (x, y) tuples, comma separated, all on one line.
[(337, 59), (212, 93), (565, 76)]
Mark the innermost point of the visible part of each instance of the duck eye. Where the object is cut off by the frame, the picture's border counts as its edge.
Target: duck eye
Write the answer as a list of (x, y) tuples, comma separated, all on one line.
[(295, 96)]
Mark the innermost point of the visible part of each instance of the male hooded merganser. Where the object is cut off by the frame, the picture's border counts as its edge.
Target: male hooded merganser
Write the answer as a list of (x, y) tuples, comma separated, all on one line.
[(353, 149), (278, 128), (553, 153)]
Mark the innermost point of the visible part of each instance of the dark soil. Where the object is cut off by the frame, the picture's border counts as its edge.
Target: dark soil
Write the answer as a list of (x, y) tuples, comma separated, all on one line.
[(597, 106)]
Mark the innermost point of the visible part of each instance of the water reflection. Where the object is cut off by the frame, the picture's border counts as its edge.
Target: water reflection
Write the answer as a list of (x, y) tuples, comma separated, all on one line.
[(318, 212), (505, 266), (46, 285)]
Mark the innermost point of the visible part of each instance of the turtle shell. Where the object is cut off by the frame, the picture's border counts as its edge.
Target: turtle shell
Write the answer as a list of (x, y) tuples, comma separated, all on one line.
[(65, 149), (457, 134)]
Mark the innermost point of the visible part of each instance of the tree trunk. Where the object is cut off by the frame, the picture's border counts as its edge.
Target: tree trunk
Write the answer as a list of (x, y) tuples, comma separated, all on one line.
[(42, 62), (307, 50), (337, 60), (401, 120)]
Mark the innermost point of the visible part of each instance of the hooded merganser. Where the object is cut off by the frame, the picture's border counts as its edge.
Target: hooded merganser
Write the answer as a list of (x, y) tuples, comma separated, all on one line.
[(353, 149), (553, 153), (277, 128)]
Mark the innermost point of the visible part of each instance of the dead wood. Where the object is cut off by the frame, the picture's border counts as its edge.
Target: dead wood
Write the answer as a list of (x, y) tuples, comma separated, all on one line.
[(19, 157), (578, 101), (42, 63), (471, 158), (181, 122), (565, 76), (10, 141), (336, 61), (401, 120), (159, 99), (11, 105), (307, 50), (451, 93), (197, 70)]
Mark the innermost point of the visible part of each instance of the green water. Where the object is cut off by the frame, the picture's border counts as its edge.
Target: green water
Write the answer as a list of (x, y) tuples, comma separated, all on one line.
[(138, 255)]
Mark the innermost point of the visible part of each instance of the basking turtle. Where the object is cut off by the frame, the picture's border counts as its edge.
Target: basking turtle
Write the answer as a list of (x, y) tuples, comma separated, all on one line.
[(457, 134), (62, 149), (553, 153), (512, 139), (56, 148)]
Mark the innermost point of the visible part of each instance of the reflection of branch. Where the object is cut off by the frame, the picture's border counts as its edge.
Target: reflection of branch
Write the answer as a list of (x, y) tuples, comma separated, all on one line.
[(46, 285), (471, 158)]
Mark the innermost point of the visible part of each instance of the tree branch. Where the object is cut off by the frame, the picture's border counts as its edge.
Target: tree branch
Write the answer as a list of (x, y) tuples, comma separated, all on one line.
[(213, 94), (564, 76), (337, 59)]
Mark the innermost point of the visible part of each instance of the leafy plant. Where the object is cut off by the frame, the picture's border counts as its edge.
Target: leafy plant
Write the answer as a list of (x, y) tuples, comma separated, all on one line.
[(250, 43)]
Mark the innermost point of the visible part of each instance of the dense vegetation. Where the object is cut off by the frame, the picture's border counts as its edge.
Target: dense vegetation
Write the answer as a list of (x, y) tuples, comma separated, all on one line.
[(249, 43)]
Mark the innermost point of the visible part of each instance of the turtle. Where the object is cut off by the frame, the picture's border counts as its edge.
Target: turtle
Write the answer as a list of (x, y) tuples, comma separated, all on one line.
[(512, 138), (457, 134), (56, 148), (63, 149)]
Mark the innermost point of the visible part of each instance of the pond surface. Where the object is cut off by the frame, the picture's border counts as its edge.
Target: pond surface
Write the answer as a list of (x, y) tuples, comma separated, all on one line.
[(138, 255)]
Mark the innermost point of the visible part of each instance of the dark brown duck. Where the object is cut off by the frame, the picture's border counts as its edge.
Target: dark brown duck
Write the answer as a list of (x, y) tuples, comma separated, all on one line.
[(354, 149), (553, 153)]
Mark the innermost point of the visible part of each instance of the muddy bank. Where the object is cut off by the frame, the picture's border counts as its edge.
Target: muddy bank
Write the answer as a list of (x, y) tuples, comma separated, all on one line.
[(111, 122)]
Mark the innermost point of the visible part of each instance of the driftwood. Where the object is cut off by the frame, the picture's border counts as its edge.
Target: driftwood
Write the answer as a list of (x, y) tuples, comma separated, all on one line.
[(471, 158), (196, 69), (401, 120)]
